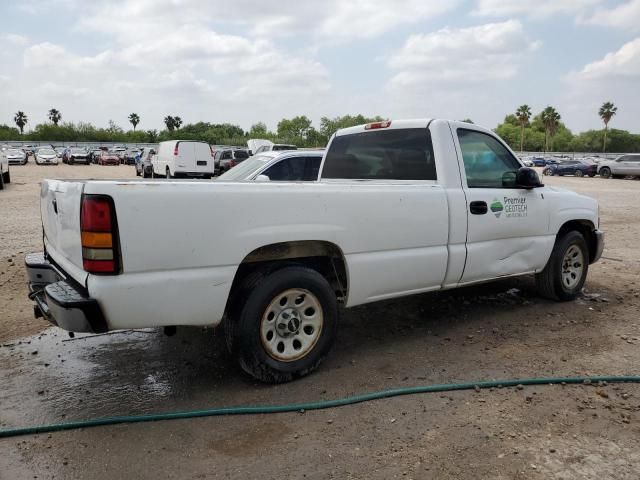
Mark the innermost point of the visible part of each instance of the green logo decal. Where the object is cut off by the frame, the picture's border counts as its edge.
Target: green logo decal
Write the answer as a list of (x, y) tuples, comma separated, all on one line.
[(496, 207)]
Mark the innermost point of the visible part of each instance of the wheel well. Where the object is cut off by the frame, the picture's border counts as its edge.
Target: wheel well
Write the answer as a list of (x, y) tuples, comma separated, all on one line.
[(586, 228), (324, 257)]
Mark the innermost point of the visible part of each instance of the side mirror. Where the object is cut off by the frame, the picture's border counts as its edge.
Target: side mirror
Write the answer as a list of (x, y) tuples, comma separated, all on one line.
[(527, 178), (263, 178)]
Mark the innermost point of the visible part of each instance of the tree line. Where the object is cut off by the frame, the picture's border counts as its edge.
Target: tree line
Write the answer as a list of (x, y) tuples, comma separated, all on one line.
[(521, 130)]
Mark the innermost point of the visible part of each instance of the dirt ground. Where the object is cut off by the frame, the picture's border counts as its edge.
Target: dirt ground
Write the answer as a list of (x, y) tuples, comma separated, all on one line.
[(495, 331)]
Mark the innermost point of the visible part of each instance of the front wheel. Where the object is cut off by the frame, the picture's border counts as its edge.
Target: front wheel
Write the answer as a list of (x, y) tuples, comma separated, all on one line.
[(605, 172), (7, 176), (566, 271), (578, 173), (283, 323)]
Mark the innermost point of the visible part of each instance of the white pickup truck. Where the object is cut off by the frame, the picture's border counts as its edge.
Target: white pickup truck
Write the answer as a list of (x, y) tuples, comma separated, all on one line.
[(400, 207)]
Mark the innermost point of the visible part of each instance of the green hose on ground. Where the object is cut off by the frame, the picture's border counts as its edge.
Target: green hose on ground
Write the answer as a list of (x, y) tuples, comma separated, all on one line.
[(297, 407)]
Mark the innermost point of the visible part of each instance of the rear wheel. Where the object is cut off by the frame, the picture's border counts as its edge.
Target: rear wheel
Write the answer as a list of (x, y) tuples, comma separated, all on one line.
[(7, 176), (168, 173), (566, 271), (578, 173), (282, 323), (605, 172)]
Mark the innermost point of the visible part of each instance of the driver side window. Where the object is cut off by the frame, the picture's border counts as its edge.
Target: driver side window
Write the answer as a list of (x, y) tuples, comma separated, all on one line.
[(487, 162)]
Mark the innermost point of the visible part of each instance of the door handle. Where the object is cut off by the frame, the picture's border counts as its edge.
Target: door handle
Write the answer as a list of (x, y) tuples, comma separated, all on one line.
[(478, 207)]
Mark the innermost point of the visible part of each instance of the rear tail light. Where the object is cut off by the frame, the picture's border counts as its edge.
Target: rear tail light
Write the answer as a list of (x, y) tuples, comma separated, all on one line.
[(98, 231), (232, 163), (175, 149), (376, 125)]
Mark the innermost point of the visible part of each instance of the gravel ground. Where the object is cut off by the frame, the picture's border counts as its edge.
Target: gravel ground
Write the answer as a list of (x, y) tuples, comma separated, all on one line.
[(500, 330)]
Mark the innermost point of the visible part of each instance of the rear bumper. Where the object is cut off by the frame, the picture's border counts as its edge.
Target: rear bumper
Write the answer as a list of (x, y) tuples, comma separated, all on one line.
[(599, 245), (61, 301)]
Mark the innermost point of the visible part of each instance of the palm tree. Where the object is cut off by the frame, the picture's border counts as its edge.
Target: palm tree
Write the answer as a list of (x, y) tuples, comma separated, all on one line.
[(170, 122), (523, 114), (606, 112), (21, 120), (134, 119), (55, 116), (551, 121), (177, 122)]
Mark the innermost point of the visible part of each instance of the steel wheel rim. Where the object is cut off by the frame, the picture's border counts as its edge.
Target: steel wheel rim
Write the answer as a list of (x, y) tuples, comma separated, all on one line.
[(572, 267), (291, 325)]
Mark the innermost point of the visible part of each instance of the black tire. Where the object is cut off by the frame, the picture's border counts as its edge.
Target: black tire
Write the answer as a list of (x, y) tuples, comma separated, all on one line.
[(7, 176), (549, 281), (578, 173), (137, 173), (605, 172), (168, 173), (2, 181), (242, 327)]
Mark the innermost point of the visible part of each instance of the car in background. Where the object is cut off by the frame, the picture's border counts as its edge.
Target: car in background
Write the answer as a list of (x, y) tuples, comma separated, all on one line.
[(527, 162), (183, 158), (225, 160), (108, 158), (284, 166), (29, 149), (144, 168), (543, 162), (73, 155), (16, 156), (5, 173), (46, 155), (59, 151), (627, 165), (94, 153), (130, 156), (578, 168), (257, 146)]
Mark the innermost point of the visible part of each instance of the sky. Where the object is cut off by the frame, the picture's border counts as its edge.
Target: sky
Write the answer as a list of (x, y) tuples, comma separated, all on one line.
[(246, 61)]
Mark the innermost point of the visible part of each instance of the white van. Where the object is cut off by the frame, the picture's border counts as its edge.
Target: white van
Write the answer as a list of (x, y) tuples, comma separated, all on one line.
[(183, 158)]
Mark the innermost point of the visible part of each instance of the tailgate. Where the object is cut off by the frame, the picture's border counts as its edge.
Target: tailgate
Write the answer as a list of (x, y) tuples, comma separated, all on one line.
[(60, 209)]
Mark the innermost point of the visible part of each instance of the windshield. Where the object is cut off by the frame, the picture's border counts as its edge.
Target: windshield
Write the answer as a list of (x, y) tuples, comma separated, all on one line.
[(14, 152), (246, 169), (46, 151), (284, 147), (77, 150)]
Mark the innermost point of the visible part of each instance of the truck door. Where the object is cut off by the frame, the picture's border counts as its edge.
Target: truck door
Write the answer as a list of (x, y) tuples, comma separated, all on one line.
[(507, 227)]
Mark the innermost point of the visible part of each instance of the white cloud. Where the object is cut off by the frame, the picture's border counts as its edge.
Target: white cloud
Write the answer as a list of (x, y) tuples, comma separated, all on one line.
[(623, 63), (534, 9), (466, 55), (625, 16), (13, 39)]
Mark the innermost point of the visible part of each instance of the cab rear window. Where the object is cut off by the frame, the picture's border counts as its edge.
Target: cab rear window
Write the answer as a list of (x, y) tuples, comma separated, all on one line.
[(401, 154)]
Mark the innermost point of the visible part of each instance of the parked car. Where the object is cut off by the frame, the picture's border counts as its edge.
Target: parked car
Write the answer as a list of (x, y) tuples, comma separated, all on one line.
[(396, 212), (623, 166), (29, 149), (183, 158), (16, 156), (130, 156), (543, 162), (108, 158), (292, 166), (225, 160), (527, 162), (143, 162), (46, 156), (5, 173), (59, 151), (94, 154), (577, 168), (74, 155), (257, 146)]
